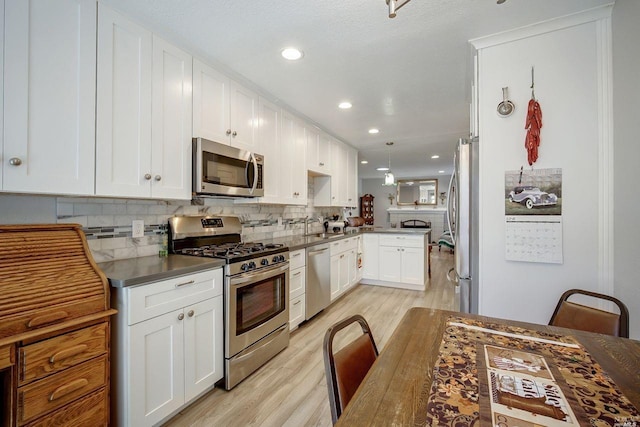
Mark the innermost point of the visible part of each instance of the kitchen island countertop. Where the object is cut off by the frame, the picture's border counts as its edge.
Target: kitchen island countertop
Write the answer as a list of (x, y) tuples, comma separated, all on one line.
[(136, 271)]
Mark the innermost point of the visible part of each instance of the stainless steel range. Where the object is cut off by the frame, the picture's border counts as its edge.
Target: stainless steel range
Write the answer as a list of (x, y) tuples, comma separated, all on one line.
[(256, 289)]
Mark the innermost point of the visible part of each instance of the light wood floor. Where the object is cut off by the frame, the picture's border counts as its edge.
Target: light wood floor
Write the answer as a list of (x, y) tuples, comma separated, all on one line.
[(290, 390)]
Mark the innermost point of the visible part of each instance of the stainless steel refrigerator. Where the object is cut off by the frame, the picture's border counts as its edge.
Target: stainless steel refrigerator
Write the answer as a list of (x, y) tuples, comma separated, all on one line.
[(462, 219)]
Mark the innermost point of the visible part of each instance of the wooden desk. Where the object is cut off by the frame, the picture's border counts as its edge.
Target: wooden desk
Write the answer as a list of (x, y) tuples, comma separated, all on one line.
[(396, 389)]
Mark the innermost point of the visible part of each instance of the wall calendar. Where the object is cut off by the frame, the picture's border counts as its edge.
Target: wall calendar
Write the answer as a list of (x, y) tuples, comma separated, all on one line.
[(533, 215)]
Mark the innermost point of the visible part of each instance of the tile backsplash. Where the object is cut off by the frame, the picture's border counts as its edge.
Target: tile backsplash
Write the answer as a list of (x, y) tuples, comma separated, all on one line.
[(107, 222)]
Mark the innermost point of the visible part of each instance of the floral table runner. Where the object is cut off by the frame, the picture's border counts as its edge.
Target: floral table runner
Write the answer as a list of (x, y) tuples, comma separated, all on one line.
[(494, 374)]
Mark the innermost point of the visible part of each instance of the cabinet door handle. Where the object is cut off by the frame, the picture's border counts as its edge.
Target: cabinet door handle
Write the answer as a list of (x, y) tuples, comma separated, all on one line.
[(147, 176), (321, 164), (180, 316), (68, 352), (63, 390), (234, 134), (15, 161), (191, 313), (158, 178), (297, 274), (297, 302), (228, 132), (185, 283)]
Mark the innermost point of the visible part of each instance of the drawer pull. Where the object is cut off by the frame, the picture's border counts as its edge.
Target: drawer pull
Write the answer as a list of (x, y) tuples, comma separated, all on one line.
[(185, 283), (47, 318), (67, 353), (297, 273), (63, 390)]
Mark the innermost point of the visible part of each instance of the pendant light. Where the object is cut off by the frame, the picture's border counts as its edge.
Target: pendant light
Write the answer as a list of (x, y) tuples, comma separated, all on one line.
[(394, 5), (389, 179)]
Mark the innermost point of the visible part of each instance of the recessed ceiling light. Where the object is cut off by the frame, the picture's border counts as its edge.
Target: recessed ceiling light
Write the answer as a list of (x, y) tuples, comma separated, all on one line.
[(364, 162), (345, 105), (440, 171), (435, 156), (373, 131), (382, 169), (291, 53)]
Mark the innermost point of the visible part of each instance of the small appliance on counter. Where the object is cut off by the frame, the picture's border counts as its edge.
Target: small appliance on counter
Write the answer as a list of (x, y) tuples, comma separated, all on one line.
[(335, 225)]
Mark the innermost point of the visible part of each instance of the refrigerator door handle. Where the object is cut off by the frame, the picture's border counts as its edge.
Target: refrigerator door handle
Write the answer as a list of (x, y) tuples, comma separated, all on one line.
[(456, 278), (450, 202)]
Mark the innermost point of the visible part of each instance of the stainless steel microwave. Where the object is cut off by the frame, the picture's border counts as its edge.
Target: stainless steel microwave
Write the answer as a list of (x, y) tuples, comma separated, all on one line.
[(222, 170)]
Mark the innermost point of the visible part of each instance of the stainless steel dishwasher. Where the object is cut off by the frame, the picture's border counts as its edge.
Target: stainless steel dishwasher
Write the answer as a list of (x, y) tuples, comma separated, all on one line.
[(318, 291)]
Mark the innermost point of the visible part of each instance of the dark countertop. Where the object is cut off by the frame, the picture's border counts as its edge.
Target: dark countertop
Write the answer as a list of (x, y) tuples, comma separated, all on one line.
[(300, 242), (137, 271)]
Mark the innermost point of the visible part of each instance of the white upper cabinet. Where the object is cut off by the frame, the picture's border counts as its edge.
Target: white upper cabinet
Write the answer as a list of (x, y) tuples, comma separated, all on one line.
[(49, 96), (352, 177), (171, 117), (318, 151), (269, 147), (210, 104), (144, 105), (223, 110), (243, 118), (338, 174), (282, 141), (293, 174), (123, 133)]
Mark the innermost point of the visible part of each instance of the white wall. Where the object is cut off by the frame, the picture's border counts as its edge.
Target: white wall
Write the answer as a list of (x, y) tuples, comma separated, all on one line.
[(626, 107), (568, 80)]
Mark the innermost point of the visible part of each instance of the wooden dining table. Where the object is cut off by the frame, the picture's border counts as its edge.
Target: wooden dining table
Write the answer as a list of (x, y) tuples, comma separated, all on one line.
[(399, 388)]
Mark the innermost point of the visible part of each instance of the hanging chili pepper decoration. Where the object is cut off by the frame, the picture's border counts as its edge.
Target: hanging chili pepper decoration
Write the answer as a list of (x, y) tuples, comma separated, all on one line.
[(533, 125)]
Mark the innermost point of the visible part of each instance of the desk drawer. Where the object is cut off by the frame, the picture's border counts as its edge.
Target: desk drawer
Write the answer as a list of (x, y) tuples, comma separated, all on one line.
[(59, 389), (91, 411), (55, 354), (6, 356)]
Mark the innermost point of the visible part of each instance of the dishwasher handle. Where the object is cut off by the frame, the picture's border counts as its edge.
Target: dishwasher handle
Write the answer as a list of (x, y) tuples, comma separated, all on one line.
[(318, 251)]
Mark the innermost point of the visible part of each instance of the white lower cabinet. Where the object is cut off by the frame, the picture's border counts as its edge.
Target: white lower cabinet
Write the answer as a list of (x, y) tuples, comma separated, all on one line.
[(297, 288), (396, 260), (168, 346), (343, 265)]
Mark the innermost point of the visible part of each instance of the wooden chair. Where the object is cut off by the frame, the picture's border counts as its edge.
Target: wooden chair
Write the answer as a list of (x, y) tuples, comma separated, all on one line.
[(346, 369), (576, 316)]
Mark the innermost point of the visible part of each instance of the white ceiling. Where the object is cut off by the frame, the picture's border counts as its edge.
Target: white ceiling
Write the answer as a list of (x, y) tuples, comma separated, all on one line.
[(408, 76)]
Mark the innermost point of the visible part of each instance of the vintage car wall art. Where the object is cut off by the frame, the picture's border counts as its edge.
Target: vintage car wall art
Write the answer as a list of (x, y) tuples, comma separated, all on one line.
[(531, 196)]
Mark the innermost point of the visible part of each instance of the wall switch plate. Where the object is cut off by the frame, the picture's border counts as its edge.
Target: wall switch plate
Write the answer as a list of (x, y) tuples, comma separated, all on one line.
[(137, 228)]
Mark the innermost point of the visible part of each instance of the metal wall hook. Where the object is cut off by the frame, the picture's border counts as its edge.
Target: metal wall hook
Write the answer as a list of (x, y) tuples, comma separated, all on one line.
[(533, 93)]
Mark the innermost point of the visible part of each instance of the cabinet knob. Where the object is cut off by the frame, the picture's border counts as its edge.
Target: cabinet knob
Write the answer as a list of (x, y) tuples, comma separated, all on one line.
[(234, 134), (158, 178), (14, 161), (190, 313), (147, 176), (228, 132), (321, 164), (180, 316)]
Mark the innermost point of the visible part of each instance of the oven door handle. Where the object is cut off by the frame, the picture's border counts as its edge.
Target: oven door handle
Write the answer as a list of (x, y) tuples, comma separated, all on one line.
[(252, 277)]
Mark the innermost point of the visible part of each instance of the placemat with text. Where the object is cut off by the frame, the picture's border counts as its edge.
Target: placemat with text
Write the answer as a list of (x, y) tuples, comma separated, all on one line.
[(503, 375)]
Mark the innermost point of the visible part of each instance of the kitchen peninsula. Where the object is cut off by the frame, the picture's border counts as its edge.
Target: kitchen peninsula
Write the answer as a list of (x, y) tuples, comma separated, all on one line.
[(396, 258)]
